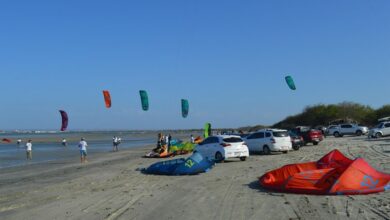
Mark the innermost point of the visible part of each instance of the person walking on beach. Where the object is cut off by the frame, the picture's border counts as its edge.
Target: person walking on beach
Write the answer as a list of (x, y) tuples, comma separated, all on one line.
[(83, 150), (29, 150)]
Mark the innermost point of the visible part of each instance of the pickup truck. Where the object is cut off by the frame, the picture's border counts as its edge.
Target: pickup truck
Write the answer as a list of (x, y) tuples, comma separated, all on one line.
[(347, 129), (309, 135)]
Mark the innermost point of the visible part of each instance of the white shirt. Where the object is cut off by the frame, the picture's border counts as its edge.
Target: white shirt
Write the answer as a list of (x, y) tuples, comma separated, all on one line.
[(83, 145), (28, 146), (192, 140)]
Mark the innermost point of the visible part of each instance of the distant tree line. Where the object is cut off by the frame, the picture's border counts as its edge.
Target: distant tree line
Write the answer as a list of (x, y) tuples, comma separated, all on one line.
[(321, 114)]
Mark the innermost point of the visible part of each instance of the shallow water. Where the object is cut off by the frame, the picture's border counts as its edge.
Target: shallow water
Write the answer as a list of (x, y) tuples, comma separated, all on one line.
[(48, 147)]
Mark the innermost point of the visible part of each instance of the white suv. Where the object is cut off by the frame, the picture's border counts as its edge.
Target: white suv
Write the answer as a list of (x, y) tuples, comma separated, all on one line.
[(347, 129), (268, 140), (382, 129), (222, 147)]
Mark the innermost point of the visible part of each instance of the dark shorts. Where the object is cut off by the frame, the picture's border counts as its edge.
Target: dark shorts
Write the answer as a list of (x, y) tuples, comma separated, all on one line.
[(83, 153)]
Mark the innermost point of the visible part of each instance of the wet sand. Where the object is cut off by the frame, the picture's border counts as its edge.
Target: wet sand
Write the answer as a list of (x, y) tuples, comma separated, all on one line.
[(111, 187)]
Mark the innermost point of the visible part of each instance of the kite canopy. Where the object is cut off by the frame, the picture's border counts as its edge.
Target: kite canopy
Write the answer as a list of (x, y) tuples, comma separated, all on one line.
[(207, 130), (107, 98), (64, 118), (333, 174), (144, 100), (290, 82), (193, 165), (6, 140), (184, 108)]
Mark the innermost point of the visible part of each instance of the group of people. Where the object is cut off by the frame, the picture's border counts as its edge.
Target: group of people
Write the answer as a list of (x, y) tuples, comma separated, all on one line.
[(163, 143), (82, 147)]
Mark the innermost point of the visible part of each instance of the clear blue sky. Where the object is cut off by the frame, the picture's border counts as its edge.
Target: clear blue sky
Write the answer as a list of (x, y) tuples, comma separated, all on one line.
[(228, 58)]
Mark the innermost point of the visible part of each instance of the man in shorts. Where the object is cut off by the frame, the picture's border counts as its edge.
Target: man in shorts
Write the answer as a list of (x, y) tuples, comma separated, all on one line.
[(83, 150), (29, 150)]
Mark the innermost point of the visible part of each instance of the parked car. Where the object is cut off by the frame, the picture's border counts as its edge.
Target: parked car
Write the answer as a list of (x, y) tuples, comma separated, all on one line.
[(223, 147), (323, 129), (347, 129), (296, 140), (382, 129), (309, 135), (269, 140)]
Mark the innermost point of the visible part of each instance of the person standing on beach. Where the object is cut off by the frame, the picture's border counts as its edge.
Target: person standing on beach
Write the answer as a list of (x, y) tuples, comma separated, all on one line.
[(29, 150), (114, 144), (83, 150), (64, 142), (192, 139)]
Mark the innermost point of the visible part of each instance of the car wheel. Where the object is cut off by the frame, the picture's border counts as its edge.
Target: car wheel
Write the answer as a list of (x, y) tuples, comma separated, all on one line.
[(336, 134), (359, 133), (315, 143), (243, 158), (218, 157), (296, 147), (266, 150), (378, 135)]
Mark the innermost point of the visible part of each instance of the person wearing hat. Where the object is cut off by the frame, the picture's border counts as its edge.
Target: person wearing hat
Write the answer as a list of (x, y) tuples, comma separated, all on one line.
[(83, 150)]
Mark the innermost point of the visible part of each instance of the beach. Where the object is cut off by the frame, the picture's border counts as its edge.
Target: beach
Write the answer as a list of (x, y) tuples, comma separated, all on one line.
[(111, 186)]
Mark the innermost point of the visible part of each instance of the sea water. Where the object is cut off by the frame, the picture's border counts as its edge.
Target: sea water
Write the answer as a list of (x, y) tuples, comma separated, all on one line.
[(47, 146)]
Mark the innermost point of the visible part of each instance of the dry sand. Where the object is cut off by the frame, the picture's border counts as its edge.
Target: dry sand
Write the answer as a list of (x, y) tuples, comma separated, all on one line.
[(110, 187)]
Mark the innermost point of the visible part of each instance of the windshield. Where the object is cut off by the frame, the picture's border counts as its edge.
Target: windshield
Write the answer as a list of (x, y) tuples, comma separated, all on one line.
[(280, 134), (379, 125), (232, 140)]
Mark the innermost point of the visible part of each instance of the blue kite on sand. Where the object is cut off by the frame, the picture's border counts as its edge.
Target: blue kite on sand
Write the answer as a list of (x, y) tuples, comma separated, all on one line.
[(193, 165)]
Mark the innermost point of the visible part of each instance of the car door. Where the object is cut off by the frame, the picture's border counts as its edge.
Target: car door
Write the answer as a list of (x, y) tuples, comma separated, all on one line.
[(203, 147), (213, 147), (386, 129), (250, 141), (347, 129), (255, 141)]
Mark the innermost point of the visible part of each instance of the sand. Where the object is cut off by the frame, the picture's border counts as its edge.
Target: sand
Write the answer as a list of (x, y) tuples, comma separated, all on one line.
[(111, 187)]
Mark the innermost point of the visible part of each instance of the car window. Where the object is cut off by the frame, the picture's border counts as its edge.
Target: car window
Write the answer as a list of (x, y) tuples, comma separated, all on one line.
[(267, 134), (206, 141), (214, 140), (292, 134), (387, 125), (280, 134), (257, 135), (210, 140), (346, 126), (232, 140)]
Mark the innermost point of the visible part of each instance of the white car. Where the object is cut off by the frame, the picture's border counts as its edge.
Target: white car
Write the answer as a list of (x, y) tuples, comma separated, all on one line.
[(347, 129), (382, 129), (222, 147), (269, 140)]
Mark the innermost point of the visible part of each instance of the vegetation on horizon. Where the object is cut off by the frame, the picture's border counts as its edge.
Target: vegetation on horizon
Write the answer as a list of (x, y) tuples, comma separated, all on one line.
[(323, 115)]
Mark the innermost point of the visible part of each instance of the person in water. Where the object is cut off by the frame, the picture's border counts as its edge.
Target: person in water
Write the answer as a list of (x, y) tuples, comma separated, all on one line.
[(29, 150), (83, 150), (64, 142)]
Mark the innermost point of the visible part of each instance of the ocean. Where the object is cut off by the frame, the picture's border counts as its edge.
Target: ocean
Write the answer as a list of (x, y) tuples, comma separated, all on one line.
[(47, 146)]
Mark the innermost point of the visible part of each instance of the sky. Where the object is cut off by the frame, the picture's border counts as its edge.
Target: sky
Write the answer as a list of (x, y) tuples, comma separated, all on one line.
[(228, 58)]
